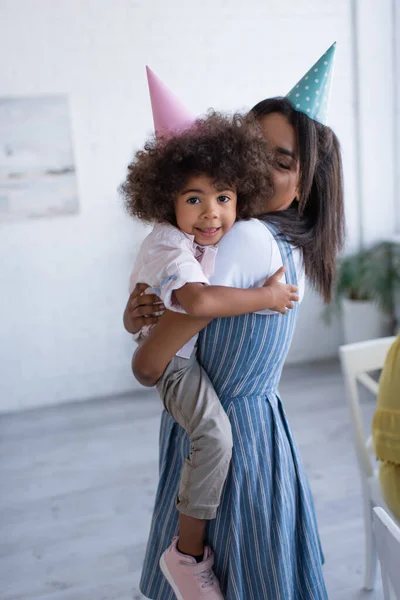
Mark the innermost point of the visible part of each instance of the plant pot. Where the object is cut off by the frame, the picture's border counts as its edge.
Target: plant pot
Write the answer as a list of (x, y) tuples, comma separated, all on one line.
[(362, 320)]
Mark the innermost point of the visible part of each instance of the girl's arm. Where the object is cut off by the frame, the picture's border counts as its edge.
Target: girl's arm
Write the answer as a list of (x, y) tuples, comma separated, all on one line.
[(165, 339), (175, 329), (214, 301)]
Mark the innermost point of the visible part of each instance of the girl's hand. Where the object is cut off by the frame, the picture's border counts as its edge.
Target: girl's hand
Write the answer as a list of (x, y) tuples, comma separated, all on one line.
[(142, 309), (283, 294)]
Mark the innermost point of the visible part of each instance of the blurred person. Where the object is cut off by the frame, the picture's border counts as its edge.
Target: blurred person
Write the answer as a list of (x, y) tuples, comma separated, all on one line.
[(386, 429)]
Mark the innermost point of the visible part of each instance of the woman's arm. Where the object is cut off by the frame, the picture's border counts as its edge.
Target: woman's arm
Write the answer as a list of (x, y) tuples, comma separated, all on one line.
[(170, 333), (165, 339)]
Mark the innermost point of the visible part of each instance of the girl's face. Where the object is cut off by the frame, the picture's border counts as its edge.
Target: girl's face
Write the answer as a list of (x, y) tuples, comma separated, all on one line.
[(283, 139), (205, 211)]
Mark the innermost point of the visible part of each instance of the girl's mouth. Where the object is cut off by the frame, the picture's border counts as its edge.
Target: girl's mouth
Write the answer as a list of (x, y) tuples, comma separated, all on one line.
[(208, 231)]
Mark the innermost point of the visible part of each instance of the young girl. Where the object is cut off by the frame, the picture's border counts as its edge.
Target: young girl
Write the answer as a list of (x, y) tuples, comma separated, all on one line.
[(194, 186)]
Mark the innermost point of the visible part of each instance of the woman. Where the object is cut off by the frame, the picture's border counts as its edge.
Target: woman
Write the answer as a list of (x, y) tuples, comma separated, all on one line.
[(386, 428), (265, 536)]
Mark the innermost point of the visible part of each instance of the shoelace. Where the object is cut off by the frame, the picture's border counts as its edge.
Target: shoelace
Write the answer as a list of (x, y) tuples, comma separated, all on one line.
[(206, 578)]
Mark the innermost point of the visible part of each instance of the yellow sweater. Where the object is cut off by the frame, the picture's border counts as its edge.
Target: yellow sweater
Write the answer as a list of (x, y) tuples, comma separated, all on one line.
[(386, 421)]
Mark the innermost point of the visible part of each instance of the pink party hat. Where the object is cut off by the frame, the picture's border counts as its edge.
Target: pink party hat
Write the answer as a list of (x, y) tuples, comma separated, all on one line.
[(169, 114)]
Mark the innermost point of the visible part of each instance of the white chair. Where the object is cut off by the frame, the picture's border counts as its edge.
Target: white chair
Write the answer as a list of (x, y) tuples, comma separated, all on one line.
[(357, 361), (387, 535)]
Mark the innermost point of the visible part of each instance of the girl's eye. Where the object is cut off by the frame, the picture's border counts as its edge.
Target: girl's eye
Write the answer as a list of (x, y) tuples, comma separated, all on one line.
[(223, 199), (193, 200)]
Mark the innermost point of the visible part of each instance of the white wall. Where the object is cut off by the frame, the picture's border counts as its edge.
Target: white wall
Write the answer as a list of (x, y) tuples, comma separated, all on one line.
[(396, 58), (64, 280), (376, 76)]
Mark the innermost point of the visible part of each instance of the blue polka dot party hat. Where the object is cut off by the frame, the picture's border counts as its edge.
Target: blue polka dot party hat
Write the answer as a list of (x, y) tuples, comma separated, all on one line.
[(311, 94)]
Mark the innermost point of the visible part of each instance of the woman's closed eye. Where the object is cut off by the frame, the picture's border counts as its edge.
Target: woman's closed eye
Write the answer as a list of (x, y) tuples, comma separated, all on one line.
[(282, 165)]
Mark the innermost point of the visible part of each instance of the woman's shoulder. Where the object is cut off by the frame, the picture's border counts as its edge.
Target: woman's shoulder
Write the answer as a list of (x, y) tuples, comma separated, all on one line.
[(251, 235), (260, 231), (252, 227), (244, 255), (249, 253)]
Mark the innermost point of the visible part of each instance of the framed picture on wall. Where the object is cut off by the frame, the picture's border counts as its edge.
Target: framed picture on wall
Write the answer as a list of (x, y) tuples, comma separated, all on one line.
[(37, 168)]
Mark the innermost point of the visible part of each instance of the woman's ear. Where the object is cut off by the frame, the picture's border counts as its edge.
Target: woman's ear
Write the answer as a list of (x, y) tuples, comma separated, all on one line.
[(298, 197), (297, 201)]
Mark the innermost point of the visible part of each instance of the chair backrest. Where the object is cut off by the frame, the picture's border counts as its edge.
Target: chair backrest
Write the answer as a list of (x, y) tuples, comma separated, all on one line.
[(357, 360), (387, 535)]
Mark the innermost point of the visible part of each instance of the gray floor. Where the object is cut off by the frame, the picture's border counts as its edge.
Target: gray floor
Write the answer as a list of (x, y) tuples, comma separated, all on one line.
[(77, 485)]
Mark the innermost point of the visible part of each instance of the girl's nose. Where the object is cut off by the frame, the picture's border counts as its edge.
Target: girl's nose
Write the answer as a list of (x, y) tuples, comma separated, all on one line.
[(210, 211)]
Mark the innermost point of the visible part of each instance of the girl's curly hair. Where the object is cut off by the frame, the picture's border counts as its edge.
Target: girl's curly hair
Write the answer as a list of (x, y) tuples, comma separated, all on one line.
[(231, 150)]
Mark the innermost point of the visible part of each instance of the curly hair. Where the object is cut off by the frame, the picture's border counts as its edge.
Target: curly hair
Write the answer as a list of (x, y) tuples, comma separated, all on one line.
[(231, 150)]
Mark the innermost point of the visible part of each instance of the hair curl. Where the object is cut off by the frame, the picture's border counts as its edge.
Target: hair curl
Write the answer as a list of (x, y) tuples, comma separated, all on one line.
[(231, 150)]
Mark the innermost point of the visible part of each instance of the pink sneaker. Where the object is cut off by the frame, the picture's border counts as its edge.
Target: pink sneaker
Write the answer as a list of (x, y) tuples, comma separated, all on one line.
[(190, 580)]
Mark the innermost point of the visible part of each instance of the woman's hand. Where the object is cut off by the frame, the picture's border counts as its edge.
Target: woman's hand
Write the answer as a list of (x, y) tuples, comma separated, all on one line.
[(142, 309)]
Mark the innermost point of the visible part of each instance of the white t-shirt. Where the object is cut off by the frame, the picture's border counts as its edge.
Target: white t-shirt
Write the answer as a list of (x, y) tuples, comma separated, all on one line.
[(248, 254)]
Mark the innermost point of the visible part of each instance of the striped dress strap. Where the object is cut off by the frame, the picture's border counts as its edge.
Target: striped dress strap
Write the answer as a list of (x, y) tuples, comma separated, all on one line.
[(286, 251)]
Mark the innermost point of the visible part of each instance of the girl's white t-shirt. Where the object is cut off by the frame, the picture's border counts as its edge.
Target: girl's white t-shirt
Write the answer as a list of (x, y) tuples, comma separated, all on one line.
[(248, 254)]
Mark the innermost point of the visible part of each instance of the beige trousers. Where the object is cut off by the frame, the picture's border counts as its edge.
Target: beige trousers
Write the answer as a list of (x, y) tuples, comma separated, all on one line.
[(190, 398)]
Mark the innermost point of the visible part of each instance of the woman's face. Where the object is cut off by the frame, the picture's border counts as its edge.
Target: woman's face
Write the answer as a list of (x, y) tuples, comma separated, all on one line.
[(283, 139)]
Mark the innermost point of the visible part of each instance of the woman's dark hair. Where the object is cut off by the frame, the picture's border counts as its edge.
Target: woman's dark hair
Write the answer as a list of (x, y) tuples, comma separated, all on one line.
[(314, 223), (232, 151)]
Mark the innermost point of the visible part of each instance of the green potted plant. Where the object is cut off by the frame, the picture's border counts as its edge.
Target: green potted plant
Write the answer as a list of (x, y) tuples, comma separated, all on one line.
[(367, 290)]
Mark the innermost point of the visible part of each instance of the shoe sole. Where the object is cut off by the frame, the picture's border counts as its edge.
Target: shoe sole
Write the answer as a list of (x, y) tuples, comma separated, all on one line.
[(169, 578)]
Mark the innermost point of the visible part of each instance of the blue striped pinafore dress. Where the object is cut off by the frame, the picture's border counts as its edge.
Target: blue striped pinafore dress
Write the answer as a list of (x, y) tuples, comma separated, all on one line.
[(265, 535)]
